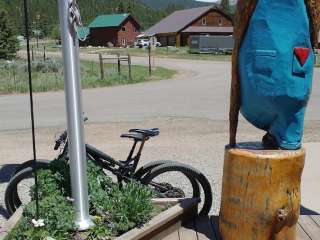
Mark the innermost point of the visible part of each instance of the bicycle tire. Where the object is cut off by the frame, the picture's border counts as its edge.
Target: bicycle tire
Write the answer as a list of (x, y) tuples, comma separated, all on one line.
[(148, 167), (192, 172), (41, 163), (11, 190), (142, 171)]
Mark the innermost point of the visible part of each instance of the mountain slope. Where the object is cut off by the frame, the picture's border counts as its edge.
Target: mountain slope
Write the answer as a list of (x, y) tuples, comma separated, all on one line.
[(163, 4), (44, 14)]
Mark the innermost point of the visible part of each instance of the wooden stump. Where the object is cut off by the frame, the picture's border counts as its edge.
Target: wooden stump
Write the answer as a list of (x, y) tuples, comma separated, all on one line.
[(260, 193)]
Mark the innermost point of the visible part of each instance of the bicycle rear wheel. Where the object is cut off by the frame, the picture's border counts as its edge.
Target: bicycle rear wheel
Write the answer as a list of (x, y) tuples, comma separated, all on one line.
[(141, 172), (170, 176)]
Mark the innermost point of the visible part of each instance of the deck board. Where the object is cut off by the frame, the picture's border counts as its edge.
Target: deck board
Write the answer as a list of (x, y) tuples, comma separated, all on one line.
[(316, 218), (172, 236), (301, 234), (188, 231), (171, 233), (310, 227), (208, 229)]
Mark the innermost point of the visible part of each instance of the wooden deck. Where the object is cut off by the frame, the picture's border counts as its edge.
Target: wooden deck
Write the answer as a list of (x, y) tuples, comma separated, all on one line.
[(207, 228)]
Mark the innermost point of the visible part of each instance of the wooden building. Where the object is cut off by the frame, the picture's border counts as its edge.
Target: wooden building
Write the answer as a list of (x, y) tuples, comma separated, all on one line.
[(176, 29), (119, 30)]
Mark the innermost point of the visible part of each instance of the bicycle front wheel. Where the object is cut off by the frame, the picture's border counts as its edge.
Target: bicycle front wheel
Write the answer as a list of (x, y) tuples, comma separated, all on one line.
[(175, 180)]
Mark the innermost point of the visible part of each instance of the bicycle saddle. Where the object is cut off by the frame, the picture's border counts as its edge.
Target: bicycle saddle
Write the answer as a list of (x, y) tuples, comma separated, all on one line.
[(136, 136), (147, 132)]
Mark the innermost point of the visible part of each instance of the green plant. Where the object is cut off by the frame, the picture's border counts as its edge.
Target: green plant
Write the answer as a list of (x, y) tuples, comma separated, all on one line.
[(131, 206), (116, 209)]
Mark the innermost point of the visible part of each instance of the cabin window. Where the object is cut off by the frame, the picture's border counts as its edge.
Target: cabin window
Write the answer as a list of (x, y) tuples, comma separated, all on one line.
[(135, 30), (220, 21), (123, 29), (204, 21)]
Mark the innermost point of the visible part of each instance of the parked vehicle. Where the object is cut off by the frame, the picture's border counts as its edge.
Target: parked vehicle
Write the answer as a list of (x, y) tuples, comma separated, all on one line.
[(211, 44), (146, 42), (143, 43)]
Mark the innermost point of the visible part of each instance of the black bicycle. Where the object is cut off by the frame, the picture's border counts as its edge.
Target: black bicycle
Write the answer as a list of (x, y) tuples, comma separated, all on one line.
[(168, 179)]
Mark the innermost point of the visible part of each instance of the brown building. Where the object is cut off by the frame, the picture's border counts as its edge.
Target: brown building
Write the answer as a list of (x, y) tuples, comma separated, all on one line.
[(175, 29), (113, 30)]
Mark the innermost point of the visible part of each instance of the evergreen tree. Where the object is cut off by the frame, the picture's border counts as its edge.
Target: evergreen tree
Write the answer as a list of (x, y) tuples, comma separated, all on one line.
[(8, 39), (130, 6), (121, 7), (225, 5)]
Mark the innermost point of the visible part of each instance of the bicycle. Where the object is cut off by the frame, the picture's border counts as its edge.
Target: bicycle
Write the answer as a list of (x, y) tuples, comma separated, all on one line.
[(150, 174)]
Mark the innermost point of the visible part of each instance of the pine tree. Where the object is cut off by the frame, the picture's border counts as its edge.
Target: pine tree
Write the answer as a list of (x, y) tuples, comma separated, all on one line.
[(225, 5), (121, 7), (8, 39), (130, 6)]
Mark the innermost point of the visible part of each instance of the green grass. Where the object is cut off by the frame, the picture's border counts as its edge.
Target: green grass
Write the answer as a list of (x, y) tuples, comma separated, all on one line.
[(48, 76)]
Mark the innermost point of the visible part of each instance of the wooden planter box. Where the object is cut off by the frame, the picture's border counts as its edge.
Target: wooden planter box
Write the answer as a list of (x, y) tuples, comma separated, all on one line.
[(161, 225)]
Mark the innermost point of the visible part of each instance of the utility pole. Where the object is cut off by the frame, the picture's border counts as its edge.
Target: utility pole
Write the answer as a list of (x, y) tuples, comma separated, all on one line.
[(69, 20)]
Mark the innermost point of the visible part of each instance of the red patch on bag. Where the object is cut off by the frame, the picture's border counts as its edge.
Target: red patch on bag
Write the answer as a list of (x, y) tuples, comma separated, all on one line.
[(302, 54)]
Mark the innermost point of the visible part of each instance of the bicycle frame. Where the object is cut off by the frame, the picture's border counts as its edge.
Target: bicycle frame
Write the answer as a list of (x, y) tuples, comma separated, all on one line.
[(123, 170)]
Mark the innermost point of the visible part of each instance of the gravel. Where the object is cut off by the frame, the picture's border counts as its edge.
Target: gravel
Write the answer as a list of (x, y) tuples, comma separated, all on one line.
[(198, 142)]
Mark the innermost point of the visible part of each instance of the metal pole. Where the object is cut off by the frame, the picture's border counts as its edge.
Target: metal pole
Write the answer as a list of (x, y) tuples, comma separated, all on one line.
[(77, 152)]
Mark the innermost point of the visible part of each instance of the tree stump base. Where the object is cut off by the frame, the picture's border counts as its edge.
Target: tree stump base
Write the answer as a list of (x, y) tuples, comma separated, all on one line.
[(260, 193)]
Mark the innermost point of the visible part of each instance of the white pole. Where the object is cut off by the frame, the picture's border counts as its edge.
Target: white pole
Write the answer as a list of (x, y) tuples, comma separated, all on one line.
[(72, 79)]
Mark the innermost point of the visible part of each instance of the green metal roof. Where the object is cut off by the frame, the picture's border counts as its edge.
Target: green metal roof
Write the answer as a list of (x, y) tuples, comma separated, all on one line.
[(83, 32), (113, 20)]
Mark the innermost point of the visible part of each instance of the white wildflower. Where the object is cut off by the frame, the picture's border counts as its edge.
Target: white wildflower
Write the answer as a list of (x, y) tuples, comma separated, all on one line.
[(39, 223), (69, 199)]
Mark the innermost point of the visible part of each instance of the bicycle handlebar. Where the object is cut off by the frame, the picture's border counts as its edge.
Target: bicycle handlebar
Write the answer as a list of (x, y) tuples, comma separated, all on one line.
[(63, 137), (60, 140)]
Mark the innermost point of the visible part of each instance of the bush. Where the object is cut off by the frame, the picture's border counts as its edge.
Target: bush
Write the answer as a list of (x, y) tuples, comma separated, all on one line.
[(47, 66)]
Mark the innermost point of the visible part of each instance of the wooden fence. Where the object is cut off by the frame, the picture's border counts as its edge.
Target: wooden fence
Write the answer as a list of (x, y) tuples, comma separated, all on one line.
[(119, 59)]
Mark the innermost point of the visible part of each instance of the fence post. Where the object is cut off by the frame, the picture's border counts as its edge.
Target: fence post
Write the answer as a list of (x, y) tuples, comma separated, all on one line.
[(101, 66), (119, 64), (129, 65), (44, 53), (149, 52)]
